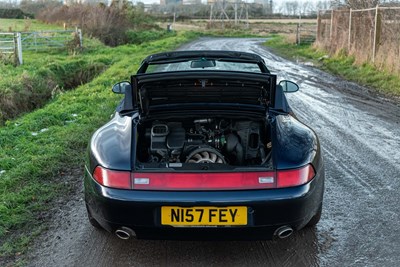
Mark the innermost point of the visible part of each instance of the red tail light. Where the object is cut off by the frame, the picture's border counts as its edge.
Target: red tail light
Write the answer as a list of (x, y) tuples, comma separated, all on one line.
[(115, 179), (291, 178), (203, 181)]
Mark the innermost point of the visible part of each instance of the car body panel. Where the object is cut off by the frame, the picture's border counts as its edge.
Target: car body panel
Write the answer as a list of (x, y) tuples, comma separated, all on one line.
[(297, 145), (111, 144), (114, 147), (267, 209)]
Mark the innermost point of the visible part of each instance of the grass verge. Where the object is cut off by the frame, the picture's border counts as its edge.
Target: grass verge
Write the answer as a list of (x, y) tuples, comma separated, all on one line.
[(30, 86), (39, 150), (340, 65), (18, 25)]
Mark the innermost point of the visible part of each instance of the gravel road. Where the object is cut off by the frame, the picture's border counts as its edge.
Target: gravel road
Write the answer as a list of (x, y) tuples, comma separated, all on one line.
[(360, 136)]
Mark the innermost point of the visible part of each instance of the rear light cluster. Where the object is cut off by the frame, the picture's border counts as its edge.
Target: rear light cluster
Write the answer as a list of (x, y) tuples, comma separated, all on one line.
[(203, 181)]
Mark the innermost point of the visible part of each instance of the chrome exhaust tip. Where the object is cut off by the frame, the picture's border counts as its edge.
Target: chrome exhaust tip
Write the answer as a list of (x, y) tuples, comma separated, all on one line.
[(125, 233), (284, 231)]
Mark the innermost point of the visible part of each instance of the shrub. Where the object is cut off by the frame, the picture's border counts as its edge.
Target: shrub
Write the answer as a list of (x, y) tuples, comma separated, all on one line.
[(108, 24)]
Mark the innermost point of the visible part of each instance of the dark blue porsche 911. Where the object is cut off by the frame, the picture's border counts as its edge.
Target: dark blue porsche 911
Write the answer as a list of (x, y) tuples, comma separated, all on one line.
[(204, 146)]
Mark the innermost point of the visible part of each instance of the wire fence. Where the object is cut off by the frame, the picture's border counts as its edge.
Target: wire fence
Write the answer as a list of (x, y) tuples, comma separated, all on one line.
[(10, 47), (370, 35), (305, 34), (47, 39)]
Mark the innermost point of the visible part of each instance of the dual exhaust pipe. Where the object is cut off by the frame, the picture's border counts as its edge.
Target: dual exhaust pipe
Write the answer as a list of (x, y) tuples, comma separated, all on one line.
[(126, 233), (284, 231)]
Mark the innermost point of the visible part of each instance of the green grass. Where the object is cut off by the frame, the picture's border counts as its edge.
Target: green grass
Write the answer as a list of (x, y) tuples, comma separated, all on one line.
[(38, 150), (340, 65), (43, 75), (16, 25), (138, 37)]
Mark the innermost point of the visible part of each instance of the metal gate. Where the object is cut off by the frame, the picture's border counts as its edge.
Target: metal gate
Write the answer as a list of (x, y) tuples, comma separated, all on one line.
[(13, 43), (10, 46), (48, 39)]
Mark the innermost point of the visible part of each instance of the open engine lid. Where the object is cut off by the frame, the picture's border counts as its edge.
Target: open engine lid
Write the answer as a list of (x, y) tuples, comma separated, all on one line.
[(183, 90), (202, 60)]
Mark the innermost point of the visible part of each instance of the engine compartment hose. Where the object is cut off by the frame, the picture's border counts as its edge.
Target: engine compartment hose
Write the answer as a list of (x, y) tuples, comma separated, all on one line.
[(233, 145)]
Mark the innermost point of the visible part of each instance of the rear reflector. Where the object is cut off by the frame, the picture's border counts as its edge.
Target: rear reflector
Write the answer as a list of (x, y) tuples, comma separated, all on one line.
[(203, 181)]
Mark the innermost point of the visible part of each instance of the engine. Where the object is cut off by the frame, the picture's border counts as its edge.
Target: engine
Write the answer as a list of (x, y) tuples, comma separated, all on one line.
[(214, 141)]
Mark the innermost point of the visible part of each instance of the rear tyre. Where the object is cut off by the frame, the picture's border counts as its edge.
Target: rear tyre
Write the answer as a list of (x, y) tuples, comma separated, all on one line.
[(314, 220), (92, 220)]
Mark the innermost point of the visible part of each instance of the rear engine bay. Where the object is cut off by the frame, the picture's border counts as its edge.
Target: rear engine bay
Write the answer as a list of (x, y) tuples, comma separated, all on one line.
[(203, 141)]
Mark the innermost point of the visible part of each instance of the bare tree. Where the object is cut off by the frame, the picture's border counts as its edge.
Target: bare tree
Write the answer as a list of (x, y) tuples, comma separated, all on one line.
[(291, 7), (357, 4), (296, 7), (307, 7), (323, 4)]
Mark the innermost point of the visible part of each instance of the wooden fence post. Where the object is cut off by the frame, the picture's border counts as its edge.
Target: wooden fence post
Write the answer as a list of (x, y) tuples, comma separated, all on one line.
[(349, 40), (80, 38), (35, 40), (17, 49), (331, 29), (377, 33), (19, 46), (319, 26)]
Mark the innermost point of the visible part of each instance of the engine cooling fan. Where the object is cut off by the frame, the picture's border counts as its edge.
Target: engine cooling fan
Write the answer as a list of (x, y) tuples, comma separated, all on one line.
[(205, 155)]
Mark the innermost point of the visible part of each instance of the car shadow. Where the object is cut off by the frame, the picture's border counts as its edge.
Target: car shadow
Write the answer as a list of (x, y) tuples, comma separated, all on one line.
[(300, 249)]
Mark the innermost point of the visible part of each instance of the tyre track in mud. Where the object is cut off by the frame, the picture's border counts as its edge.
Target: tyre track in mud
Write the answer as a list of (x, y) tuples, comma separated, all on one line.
[(360, 137)]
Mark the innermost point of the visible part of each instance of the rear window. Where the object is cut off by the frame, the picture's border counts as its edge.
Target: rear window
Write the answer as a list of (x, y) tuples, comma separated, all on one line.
[(206, 65)]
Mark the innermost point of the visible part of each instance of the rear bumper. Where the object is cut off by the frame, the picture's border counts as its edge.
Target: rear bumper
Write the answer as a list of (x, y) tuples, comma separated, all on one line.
[(141, 210)]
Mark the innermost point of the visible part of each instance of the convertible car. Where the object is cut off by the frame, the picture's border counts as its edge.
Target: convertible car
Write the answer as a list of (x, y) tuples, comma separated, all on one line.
[(204, 145)]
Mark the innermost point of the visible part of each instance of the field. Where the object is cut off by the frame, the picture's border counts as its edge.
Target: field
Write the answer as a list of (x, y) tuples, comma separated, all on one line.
[(260, 27), (15, 25), (272, 21)]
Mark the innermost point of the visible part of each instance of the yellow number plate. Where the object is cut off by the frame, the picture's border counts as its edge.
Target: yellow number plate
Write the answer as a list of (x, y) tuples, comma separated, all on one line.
[(203, 216)]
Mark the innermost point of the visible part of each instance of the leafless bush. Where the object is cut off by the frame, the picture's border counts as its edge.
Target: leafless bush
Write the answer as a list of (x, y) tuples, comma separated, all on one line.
[(372, 35), (109, 24), (388, 40), (340, 31), (324, 30), (74, 45), (362, 36)]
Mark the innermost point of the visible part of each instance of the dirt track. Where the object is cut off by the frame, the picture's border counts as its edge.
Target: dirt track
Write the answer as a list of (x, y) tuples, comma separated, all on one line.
[(360, 136)]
